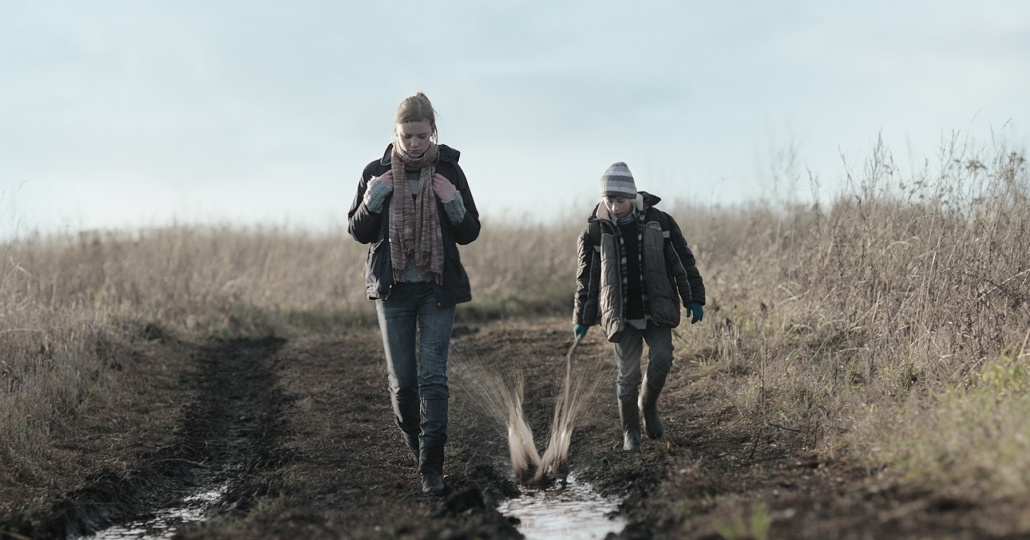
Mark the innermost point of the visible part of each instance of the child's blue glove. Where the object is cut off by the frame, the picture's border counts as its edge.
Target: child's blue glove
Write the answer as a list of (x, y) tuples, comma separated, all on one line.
[(696, 312), (580, 330)]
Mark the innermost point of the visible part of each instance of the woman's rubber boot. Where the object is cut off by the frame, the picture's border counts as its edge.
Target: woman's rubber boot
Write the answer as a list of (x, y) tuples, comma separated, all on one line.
[(407, 416), (432, 484), (434, 436), (630, 416), (649, 406)]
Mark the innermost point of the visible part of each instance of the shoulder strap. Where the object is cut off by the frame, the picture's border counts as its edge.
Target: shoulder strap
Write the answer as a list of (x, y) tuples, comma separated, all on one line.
[(594, 233)]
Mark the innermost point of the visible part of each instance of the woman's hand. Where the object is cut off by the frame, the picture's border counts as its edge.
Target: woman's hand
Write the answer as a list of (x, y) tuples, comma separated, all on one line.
[(443, 188), (387, 178)]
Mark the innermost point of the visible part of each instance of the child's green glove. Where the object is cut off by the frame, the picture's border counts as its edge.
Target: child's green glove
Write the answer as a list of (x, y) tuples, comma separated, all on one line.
[(697, 312), (580, 330)]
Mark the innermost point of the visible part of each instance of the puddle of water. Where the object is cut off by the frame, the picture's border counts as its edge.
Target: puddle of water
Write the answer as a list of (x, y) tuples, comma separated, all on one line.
[(165, 523), (574, 512)]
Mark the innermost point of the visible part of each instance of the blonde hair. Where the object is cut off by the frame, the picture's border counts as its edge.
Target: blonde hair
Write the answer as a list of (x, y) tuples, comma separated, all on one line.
[(417, 108)]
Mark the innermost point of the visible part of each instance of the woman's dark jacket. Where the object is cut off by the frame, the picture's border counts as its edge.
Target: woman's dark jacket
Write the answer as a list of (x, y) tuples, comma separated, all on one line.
[(374, 228)]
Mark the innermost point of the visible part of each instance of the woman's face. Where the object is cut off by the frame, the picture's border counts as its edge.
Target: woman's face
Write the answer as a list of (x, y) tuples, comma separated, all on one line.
[(414, 137)]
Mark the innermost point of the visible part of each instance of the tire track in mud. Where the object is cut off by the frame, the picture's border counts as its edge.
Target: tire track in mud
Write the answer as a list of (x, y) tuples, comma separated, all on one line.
[(226, 436)]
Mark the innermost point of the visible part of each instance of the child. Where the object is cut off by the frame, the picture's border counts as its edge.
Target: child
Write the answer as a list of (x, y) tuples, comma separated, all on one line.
[(633, 260), (414, 206)]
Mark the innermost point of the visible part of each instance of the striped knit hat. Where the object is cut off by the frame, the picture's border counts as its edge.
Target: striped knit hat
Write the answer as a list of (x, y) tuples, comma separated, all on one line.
[(617, 181)]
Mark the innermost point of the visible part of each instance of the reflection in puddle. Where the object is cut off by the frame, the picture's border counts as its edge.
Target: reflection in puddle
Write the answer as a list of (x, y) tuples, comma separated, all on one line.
[(575, 511), (164, 523)]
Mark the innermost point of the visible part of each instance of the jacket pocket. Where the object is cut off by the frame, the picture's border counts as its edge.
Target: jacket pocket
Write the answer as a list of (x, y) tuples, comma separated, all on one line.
[(665, 309), (377, 268), (450, 251)]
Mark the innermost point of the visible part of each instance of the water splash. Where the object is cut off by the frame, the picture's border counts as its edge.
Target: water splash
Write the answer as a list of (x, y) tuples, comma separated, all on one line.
[(501, 392), (525, 460)]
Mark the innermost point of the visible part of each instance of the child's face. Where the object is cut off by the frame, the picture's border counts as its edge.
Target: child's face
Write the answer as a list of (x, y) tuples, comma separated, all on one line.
[(414, 137), (618, 206)]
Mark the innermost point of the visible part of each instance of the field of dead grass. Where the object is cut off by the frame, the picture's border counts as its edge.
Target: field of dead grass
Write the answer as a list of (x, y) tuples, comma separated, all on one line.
[(889, 326)]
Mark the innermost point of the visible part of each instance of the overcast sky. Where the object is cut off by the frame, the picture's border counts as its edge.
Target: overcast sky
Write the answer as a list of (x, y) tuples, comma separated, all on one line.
[(127, 114)]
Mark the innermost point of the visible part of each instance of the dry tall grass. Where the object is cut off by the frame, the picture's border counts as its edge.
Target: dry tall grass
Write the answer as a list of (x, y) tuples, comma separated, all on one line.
[(890, 326)]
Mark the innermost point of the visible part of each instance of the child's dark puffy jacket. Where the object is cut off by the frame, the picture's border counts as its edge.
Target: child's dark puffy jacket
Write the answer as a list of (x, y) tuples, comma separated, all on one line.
[(668, 269)]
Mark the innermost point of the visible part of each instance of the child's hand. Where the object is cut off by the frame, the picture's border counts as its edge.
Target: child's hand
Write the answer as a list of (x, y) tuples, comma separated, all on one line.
[(580, 330), (443, 188), (697, 312)]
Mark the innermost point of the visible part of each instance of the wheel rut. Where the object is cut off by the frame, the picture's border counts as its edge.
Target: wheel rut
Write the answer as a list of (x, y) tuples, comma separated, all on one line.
[(226, 436)]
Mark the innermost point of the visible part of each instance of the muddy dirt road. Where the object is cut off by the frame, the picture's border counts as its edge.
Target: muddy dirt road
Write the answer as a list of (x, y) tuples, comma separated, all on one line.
[(297, 436)]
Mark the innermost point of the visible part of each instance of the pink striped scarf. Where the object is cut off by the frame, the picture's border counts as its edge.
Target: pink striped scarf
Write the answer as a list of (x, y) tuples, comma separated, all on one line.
[(415, 232)]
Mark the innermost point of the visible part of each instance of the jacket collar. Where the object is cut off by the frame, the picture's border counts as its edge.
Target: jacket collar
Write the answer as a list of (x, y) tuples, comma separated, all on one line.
[(601, 212), (445, 153)]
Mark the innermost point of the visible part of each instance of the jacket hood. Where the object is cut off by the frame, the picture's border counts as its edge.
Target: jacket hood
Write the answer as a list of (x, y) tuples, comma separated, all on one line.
[(648, 199), (446, 153)]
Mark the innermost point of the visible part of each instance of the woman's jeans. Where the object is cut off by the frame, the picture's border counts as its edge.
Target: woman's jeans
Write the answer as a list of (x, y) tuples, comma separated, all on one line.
[(410, 319), (628, 351)]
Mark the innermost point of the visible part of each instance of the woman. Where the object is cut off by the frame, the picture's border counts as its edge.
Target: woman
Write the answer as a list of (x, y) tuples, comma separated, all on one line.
[(413, 207)]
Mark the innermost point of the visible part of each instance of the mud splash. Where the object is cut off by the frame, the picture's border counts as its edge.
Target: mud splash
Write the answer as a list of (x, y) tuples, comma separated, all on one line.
[(500, 393), (553, 503)]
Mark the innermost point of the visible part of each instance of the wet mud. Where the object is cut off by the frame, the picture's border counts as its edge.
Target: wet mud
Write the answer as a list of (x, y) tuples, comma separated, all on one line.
[(227, 431), (300, 433)]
